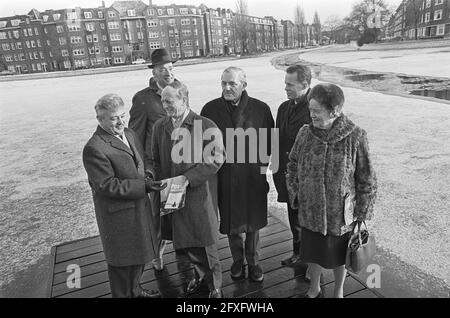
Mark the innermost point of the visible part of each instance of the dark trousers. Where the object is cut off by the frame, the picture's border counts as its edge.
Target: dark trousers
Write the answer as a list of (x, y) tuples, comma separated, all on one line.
[(125, 281), (206, 265), (295, 229), (247, 248)]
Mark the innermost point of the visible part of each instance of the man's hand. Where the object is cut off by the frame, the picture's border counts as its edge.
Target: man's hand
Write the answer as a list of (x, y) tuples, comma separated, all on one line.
[(181, 181), (151, 185)]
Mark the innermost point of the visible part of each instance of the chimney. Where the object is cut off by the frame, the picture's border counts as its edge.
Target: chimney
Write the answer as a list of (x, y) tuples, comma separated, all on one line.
[(103, 4), (150, 4)]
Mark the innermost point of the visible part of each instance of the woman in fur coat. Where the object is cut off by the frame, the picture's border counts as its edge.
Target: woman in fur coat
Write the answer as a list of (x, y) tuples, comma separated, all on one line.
[(331, 182)]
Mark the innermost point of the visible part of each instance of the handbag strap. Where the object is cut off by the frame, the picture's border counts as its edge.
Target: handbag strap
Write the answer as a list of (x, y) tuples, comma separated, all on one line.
[(358, 224)]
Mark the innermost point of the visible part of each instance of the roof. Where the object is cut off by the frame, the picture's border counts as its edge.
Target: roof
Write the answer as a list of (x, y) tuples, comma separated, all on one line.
[(123, 6)]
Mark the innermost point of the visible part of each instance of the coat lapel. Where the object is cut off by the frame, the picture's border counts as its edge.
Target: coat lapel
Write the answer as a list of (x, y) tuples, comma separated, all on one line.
[(114, 141), (137, 157)]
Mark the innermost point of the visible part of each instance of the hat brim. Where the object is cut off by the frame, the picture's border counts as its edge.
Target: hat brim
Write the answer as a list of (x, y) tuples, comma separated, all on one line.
[(153, 65)]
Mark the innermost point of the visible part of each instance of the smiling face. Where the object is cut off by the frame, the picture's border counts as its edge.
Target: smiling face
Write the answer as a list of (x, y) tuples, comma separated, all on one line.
[(232, 86), (113, 121), (294, 89), (173, 105), (321, 116), (163, 74)]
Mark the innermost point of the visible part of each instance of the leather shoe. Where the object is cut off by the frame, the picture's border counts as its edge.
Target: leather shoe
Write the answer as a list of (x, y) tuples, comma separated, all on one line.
[(255, 273), (144, 293), (216, 293), (291, 261), (320, 295), (194, 286), (237, 270)]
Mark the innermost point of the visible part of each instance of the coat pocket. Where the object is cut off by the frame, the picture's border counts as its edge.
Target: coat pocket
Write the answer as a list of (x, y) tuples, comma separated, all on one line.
[(349, 208), (117, 206)]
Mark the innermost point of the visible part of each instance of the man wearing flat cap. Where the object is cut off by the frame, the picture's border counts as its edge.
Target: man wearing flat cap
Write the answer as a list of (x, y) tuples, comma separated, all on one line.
[(145, 111)]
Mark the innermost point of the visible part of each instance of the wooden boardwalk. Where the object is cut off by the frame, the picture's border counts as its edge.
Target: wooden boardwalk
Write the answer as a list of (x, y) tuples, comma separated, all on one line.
[(279, 281)]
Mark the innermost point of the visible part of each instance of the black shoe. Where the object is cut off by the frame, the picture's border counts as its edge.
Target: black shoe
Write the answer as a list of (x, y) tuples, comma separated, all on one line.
[(216, 293), (237, 270), (194, 286), (144, 293), (291, 261), (255, 273)]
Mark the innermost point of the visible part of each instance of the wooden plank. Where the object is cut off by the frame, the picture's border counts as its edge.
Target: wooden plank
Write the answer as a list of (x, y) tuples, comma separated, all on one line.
[(97, 248), (52, 267), (379, 295), (351, 286), (149, 275), (98, 266), (80, 243), (365, 293)]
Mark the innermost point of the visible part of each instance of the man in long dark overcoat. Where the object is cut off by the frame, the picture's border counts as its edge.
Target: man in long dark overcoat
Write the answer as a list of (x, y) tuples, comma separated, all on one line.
[(113, 161), (292, 115), (183, 148), (145, 111), (243, 186)]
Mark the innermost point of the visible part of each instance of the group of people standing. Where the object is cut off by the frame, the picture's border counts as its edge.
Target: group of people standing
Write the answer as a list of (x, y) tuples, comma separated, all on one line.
[(325, 176)]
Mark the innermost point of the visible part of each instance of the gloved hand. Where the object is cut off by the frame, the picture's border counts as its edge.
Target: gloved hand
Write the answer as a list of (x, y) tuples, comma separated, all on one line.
[(151, 185)]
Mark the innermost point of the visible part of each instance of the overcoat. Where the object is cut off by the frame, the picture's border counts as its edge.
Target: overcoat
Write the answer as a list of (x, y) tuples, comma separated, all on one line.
[(243, 188), (291, 117), (116, 176), (330, 177), (195, 225)]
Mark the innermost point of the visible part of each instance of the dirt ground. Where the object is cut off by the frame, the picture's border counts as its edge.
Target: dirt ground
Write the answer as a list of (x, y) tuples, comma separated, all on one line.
[(45, 199)]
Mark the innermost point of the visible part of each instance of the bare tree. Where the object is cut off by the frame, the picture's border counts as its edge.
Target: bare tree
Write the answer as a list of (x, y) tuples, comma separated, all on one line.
[(317, 27), (299, 21), (332, 24), (242, 25)]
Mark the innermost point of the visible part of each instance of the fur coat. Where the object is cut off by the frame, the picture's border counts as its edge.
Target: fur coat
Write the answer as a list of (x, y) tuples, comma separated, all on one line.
[(330, 177)]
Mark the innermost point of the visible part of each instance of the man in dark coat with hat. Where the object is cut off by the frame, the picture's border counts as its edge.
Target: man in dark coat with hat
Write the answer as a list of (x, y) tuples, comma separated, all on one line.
[(115, 168), (146, 110), (292, 115), (243, 186)]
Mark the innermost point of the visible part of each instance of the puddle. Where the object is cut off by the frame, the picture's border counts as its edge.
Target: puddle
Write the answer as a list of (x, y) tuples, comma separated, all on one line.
[(441, 94), (366, 77)]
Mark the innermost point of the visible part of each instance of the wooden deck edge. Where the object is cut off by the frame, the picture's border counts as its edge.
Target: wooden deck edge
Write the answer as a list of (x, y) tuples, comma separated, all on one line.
[(76, 241), (356, 277), (51, 270)]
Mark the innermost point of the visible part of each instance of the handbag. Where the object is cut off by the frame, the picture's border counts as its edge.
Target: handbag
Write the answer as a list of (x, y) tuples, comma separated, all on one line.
[(360, 250)]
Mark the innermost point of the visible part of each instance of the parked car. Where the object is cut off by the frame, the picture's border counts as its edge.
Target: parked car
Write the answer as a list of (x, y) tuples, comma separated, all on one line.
[(139, 61)]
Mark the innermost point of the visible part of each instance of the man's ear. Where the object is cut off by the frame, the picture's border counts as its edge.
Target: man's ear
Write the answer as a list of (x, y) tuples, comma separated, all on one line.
[(245, 85)]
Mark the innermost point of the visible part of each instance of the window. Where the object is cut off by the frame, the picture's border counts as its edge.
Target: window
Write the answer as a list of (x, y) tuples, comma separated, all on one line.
[(97, 50), (88, 15), (56, 16), (95, 38), (78, 52), (59, 29), (41, 55), (174, 55), (153, 35), (13, 46), (71, 15), (427, 17), (111, 14), (33, 67), (104, 37), (33, 44), (50, 54), (438, 2), (170, 11), (188, 53), (113, 25), (8, 58), (117, 49), (30, 31), (102, 26), (30, 55), (155, 45), (45, 18), (89, 38), (440, 29), (160, 11), (62, 41), (106, 49), (184, 11), (100, 14), (131, 13), (195, 32), (194, 21), (36, 31), (151, 12), (48, 43), (67, 64), (139, 24), (152, 23), (27, 43), (115, 37), (428, 4), (19, 45), (3, 36), (89, 27), (45, 30), (25, 32), (75, 39), (39, 67), (171, 22), (185, 21), (186, 32), (118, 60), (74, 27), (15, 22), (437, 15), (38, 43), (91, 50), (187, 43)]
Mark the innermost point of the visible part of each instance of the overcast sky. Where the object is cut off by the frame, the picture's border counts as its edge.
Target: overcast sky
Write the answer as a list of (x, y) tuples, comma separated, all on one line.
[(280, 9)]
